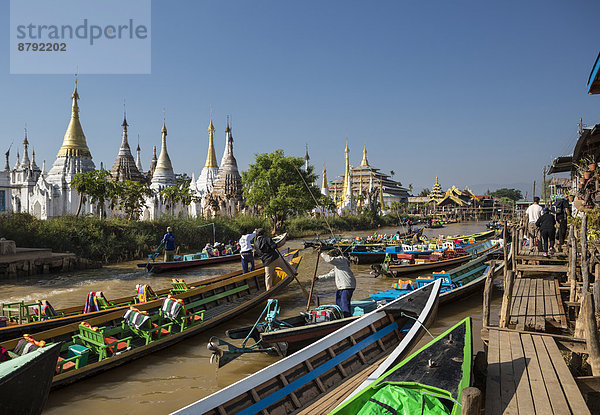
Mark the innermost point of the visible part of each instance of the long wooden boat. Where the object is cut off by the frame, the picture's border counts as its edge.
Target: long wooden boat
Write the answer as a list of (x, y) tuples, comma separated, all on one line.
[(285, 387), (473, 251), (461, 282), (158, 267), (429, 381), (25, 381), (457, 283), (113, 339), (75, 314), (294, 333)]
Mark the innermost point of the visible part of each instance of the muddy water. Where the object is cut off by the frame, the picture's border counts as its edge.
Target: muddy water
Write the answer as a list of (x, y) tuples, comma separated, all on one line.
[(181, 374)]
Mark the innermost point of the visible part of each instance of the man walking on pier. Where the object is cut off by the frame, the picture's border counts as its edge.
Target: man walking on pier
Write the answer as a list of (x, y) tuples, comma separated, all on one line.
[(562, 209), (532, 214)]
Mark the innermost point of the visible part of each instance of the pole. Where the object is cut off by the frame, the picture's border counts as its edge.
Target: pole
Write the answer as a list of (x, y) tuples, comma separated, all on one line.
[(544, 187), (312, 284)]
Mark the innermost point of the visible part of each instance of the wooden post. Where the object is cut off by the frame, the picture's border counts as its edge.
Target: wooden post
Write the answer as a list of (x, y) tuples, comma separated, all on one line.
[(521, 237), (585, 271), (573, 264), (505, 250), (487, 294), (597, 288), (514, 249), (590, 330), (507, 300), (471, 401)]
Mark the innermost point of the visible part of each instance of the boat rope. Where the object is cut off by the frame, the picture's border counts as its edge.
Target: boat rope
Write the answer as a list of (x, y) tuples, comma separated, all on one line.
[(402, 314), (436, 395)]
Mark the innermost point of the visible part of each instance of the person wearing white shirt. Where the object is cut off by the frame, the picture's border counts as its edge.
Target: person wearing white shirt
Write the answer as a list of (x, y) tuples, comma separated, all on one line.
[(246, 251), (532, 214)]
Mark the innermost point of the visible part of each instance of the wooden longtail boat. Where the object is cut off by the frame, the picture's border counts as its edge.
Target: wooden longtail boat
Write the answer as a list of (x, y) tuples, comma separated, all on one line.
[(429, 381), (458, 283), (157, 267), (111, 340), (75, 314), (285, 387), (25, 380), (395, 270)]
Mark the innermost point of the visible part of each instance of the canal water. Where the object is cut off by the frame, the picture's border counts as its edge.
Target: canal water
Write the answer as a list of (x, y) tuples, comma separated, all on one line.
[(172, 378)]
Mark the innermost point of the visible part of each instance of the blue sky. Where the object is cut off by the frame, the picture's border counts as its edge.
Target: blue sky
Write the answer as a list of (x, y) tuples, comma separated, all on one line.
[(477, 92)]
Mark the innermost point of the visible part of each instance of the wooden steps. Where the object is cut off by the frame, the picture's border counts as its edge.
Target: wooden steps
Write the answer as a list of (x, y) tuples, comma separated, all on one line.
[(527, 375), (542, 268), (536, 301)]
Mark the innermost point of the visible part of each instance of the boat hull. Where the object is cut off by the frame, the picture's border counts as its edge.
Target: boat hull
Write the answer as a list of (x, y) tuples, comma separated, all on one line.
[(218, 310), (289, 385), (158, 267), (25, 381)]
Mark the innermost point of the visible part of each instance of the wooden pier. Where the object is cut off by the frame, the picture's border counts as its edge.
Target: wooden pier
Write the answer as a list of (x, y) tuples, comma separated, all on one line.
[(528, 375), (547, 316)]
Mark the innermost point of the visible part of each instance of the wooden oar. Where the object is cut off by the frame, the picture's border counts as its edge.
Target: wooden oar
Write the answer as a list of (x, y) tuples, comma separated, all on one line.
[(312, 284), (289, 270)]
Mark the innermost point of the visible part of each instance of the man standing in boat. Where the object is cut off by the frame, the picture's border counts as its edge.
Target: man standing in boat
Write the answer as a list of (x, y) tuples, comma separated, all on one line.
[(345, 281), (270, 257), (169, 241), (246, 250)]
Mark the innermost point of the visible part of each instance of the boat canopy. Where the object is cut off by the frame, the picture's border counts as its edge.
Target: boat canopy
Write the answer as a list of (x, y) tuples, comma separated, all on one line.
[(593, 84)]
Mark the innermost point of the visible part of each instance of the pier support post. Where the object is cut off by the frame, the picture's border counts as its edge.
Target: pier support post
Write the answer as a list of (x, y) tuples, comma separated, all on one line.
[(521, 237), (487, 294), (506, 300), (597, 288), (590, 332), (471, 401), (514, 249), (505, 250), (573, 264), (585, 262)]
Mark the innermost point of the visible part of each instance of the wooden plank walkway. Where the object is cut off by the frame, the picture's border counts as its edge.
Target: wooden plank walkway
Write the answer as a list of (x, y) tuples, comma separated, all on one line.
[(528, 375), (535, 301), (542, 268)]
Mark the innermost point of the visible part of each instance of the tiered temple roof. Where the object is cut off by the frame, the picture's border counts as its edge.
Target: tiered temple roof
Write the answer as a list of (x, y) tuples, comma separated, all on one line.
[(124, 167), (436, 194), (229, 181), (365, 178)]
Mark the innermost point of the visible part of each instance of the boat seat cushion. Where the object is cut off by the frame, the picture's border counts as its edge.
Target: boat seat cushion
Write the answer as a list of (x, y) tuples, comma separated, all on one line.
[(171, 308), (23, 347), (137, 320)]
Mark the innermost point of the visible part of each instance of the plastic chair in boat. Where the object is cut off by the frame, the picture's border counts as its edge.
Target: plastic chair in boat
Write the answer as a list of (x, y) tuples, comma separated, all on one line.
[(101, 340), (144, 325), (178, 287), (174, 310)]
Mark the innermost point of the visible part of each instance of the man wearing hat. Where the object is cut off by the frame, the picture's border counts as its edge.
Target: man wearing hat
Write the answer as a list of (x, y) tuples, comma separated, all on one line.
[(169, 241), (270, 257)]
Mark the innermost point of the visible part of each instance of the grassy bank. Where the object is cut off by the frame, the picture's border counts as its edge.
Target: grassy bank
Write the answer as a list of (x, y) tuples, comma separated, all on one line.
[(114, 240)]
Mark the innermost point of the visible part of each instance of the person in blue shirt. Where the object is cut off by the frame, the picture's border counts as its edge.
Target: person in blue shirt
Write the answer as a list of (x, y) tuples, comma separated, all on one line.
[(169, 241)]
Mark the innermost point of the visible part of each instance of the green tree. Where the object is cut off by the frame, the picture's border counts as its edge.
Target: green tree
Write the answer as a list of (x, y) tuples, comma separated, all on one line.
[(93, 186), (425, 192), (131, 197), (276, 184), (512, 194)]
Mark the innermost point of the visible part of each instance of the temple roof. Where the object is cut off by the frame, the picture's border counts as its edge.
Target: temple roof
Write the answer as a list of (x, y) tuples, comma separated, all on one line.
[(74, 143), (163, 175), (124, 167), (229, 181)]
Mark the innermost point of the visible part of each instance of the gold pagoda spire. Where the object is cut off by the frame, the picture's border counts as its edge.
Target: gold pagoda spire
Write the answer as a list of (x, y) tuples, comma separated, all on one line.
[(324, 181), (74, 143), (364, 161), (346, 172), (211, 158)]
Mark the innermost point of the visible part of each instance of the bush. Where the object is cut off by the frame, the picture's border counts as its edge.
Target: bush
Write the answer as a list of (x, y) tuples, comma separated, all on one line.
[(113, 240)]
